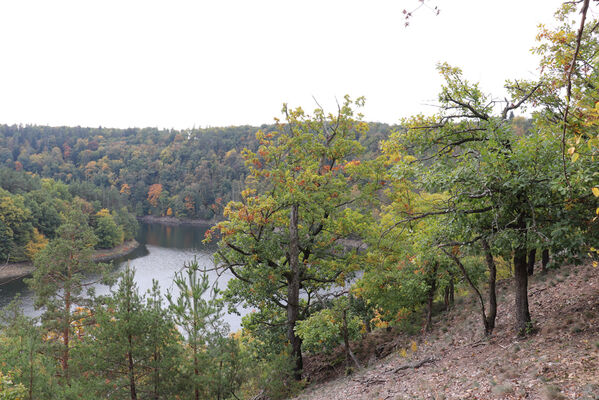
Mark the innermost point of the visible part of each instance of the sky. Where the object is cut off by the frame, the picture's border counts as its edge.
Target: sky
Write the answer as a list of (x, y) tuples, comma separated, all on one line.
[(183, 64)]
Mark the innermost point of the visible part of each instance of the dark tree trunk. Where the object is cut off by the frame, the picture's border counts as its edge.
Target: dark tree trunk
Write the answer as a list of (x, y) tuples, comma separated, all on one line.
[(483, 312), (432, 288), (366, 323), (448, 297), (490, 319), (531, 261), (132, 389), (349, 355), (293, 289), (521, 286), (196, 367), (544, 260), (65, 334)]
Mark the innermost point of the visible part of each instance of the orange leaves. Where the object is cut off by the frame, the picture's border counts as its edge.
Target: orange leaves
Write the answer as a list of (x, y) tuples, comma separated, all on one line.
[(353, 163), (262, 152), (257, 163), (154, 193), (189, 203), (125, 189)]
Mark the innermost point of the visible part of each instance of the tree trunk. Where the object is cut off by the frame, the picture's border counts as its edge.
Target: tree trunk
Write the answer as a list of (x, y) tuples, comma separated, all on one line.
[(349, 356), (65, 334), (156, 357), (132, 390), (544, 260), (474, 288), (293, 289), (448, 296), (490, 319), (196, 367), (432, 288), (30, 392), (521, 286), (531, 261)]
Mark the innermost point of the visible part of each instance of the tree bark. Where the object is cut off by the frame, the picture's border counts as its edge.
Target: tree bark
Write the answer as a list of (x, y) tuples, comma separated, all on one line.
[(531, 261), (521, 286), (65, 334), (490, 319), (293, 289), (432, 288), (132, 389), (473, 286), (67, 322), (544, 260), (449, 293), (349, 356)]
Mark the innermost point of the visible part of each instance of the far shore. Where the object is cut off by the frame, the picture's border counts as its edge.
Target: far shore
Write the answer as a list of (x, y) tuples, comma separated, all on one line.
[(12, 271), (176, 221)]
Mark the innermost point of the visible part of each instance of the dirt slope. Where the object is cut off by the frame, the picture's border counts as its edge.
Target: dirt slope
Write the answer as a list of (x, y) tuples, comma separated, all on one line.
[(559, 361)]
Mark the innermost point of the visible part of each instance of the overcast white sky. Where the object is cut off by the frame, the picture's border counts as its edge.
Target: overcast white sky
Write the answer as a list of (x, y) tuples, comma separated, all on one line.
[(178, 64)]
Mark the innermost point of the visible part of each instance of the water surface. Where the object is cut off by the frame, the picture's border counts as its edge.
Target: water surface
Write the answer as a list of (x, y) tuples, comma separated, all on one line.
[(163, 250)]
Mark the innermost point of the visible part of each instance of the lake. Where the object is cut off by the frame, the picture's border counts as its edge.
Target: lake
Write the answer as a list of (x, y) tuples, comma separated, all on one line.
[(163, 251)]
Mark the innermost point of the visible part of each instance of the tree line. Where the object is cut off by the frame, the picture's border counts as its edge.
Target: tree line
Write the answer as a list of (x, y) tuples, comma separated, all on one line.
[(181, 173)]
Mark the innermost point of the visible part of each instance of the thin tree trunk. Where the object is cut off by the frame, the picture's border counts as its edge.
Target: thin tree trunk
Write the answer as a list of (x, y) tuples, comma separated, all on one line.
[(474, 288), (293, 289), (30, 369), (521, 286), (490, 319), (432, 288), (156, 373), (448, 294), (349, 356), (531, 262), (131, 372), (544, 260), (66, 332)]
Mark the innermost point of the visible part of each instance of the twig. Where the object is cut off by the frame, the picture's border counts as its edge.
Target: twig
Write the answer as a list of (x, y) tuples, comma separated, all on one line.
[(415, 364), (583, 11)]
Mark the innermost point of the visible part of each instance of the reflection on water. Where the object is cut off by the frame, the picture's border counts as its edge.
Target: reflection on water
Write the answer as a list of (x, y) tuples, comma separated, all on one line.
[(163, 251)]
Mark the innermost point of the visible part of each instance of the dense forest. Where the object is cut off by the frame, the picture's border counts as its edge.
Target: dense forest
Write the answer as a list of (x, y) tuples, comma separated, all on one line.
[(30, 214), (331, 227), (186, 174)]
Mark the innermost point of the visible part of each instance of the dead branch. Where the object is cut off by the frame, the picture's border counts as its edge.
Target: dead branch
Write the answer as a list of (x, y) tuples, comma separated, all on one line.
[(414, 365)]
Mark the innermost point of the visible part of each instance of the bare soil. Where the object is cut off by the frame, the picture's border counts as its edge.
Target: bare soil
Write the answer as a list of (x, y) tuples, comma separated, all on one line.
[(559, 360)]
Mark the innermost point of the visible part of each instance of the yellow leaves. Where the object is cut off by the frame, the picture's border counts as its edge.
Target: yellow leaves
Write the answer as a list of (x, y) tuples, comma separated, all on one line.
[(575, 157), (413, 346), (595, 191), (103, 213), (125, 189), (248, 192), (36, 244), (571, 150)]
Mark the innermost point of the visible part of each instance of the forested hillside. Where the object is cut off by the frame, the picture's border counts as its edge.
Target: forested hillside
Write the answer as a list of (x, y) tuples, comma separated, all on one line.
[(31, 211), (457, 237), (187, 174)]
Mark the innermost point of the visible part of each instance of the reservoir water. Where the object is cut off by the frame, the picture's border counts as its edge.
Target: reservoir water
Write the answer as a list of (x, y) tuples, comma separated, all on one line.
[(163, 251)]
